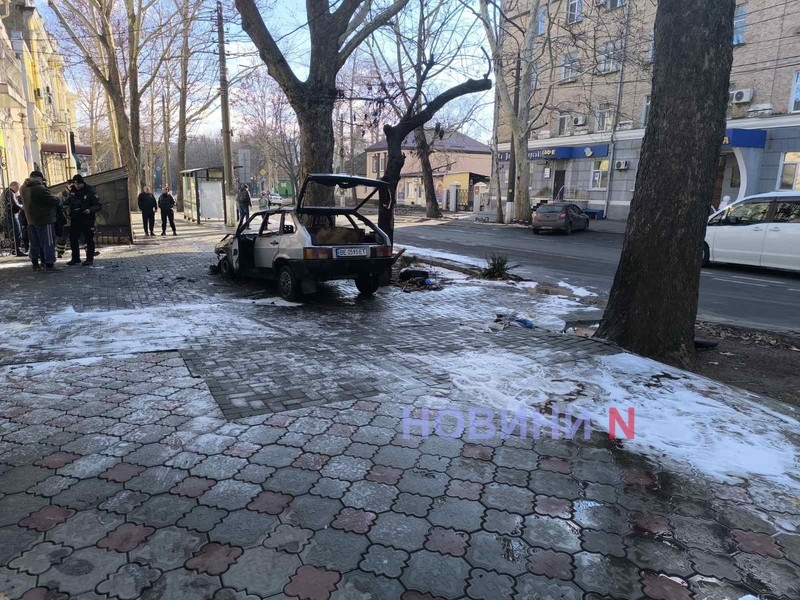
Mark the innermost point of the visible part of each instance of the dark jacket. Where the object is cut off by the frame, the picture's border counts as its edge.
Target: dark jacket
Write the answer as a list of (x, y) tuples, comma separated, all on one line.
[(39, 202), (80, 200), (11, 201), (244, 197), (147, 202), (166, 201)]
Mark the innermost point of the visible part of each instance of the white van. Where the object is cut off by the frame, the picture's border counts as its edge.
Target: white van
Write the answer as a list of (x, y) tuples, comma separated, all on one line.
[(761, 230)]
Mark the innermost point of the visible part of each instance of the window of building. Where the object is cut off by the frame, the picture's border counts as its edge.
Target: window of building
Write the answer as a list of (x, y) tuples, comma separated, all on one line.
[(599, 175), (796, 93), (536, 75), (570, 68), (612, 4), (651, 51), (736, 176), (610, 56), (574, 10), (376, 163), (604, 118), (739, 24), (564, 119), (646, 111), (790, 172), (382, 164), (541, 21)]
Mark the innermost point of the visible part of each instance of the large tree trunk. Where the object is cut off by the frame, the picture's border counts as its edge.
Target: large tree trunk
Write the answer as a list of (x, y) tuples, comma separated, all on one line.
[(394, 166), (522, 203), (424, 152), (653, 303), (315, 118)]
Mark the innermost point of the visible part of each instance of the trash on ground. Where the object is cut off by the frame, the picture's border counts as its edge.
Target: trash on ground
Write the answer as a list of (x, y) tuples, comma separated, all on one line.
[(413, 273)]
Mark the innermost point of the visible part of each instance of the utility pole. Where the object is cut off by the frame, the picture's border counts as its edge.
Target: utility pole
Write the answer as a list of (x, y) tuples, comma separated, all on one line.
[(165, 178), (227, 154), (512, 164)]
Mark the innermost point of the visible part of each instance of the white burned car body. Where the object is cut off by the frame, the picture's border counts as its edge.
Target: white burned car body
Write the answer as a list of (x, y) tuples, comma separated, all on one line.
[(301, 245)]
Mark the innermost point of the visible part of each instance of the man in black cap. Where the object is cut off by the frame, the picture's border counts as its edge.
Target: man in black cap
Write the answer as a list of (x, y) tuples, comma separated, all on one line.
[(40, 208), (83, 206), (166, 202)]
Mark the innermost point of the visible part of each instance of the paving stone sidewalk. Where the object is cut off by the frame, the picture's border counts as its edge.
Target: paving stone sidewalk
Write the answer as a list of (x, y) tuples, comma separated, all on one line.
[(212, 445)]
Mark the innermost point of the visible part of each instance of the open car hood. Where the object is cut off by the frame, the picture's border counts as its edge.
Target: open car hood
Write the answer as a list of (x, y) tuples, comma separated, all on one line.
[(343, 181)]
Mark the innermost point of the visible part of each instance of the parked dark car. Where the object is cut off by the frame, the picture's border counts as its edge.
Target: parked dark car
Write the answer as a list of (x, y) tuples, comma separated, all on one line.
[(559, 217)]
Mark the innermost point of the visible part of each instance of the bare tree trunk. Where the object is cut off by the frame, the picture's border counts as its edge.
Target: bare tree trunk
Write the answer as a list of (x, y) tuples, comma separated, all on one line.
[(522, 203), (653, 303), (113, 130), (315, 118), (424, 152)]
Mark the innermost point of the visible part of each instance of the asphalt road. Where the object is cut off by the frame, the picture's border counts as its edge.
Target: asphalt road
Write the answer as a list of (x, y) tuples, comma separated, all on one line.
[(736, 295)]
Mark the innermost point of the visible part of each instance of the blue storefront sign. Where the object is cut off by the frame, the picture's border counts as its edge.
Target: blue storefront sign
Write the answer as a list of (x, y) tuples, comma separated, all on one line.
[(745, 138), (561, 153)]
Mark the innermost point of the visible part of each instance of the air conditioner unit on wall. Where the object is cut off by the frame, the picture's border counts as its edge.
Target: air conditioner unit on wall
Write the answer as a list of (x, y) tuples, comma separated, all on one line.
[(741, 96), (600, 2), (579, 121), (621, 165)]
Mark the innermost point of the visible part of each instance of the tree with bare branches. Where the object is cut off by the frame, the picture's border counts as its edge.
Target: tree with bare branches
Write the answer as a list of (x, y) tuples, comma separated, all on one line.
[(335, 30)]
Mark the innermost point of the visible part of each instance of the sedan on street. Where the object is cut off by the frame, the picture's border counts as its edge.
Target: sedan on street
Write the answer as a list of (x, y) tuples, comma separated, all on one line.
[(559, 217)]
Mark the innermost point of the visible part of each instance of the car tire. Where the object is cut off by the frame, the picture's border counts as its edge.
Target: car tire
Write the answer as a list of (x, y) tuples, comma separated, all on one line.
[(568, 228), (367, 285), (536, 232), (225, 267), (288, 286), (706, 255), (587, 225)]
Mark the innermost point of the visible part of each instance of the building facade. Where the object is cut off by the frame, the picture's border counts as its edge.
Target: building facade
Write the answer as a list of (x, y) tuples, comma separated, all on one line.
[(594, 99), (36, 106), (461, 167)]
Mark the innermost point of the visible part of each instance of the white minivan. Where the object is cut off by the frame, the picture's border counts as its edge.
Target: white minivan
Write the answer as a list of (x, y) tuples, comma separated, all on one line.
[(761, 230)]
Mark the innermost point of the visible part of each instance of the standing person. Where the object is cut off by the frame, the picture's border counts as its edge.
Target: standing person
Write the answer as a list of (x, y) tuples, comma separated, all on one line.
[(245, 202), (83, 208), (148, 205), (63, 236), (166, 202), (263, 201), (11, 207), (40, 207)]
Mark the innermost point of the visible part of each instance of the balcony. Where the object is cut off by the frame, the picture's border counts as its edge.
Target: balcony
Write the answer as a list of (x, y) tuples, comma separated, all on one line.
[(11, 94)]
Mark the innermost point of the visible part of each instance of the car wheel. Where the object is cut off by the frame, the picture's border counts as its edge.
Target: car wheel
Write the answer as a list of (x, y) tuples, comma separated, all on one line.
[(587, 225), (536, 232), (288, 286), (706, 255), (225, 267), (568, 229), (367, 284)]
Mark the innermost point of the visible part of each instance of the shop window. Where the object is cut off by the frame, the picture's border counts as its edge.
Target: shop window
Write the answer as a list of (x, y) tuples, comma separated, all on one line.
[(790, 172), (739, 24), (736, 176), (574, 11), (599, 175), (796, 93)]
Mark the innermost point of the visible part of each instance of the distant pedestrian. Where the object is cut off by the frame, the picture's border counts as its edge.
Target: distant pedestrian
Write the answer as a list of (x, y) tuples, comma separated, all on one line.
[(263, 201), (40, 206), (63, 222), (245, 202), (167, 204), (148, 206), (83, 208), (10, 209)]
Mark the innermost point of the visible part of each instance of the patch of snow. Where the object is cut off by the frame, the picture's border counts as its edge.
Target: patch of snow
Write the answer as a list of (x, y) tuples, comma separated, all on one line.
[(683, 421), (429, 253), (578, 291)]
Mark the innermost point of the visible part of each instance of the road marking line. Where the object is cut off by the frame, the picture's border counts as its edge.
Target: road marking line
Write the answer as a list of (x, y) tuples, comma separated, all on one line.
[(755, 279), (740, 282)]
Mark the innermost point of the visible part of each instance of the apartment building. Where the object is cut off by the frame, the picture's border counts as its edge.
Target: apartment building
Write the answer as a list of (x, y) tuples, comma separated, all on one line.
[(594, 99), (460, 165), (36, 107)]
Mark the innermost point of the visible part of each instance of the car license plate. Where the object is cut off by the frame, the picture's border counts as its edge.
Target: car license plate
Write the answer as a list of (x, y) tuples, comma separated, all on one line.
[(351, 252)]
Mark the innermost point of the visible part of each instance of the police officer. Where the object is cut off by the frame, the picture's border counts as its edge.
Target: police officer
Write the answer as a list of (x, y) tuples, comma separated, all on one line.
[(83, 206)]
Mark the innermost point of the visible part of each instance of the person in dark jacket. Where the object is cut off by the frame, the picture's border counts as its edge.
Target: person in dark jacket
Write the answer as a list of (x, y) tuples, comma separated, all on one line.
[(11, 208), (245, 202), (83, 208), (40, 207), (63, 237), (166, 202), (148, 205)]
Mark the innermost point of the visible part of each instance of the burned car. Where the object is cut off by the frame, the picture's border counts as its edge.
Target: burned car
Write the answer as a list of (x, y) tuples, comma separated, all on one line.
[(301, 245)]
